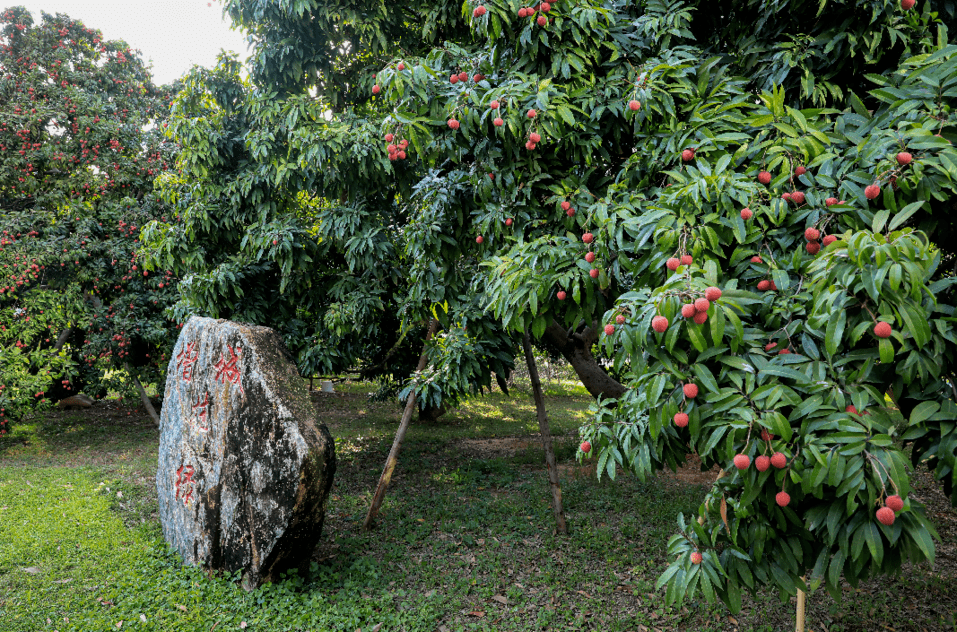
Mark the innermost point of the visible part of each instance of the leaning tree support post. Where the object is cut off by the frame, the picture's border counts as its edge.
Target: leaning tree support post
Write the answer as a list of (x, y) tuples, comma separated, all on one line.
[(799, 623), (562, 526), (397, 443)]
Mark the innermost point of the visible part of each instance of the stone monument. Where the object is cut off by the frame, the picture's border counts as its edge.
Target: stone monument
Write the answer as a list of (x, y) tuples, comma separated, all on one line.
[(244, 465)]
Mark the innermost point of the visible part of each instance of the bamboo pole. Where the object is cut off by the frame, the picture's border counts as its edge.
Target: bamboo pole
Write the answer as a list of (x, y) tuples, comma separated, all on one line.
[(546, 433), (799, 626), (393, 458)]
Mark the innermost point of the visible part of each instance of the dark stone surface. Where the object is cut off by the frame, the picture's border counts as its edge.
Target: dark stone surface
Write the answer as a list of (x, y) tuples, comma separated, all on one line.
[(244, 465)]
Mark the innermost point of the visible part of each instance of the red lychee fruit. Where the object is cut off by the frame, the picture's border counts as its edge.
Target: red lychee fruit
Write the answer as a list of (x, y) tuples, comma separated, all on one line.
[(453, 124), (493, 105), (392, 148), (479, 11), (770, 346), (620, 319), (681, 420), (531, 114), (872, 191), (696, 557), (687, 155), (830, 239), (700, 318), (688, 310), (850, 408), (702, 304), (585, 447), (686, 260), (593, 273), (765, 435), (756, 259), (906, 5), (401, 155), (389, 138), (530, 145), (546, 6), (535, 137), (478, 77), (742, 461), (454, 79), (764, 177), (634, 106), (479, 239), (712, 293), (588, 238), (762, 463), (797, 197), (800, 171), (782, 499), (566, 205), (609, 329), (773, 286), (812, 247), (590, 257), (498, 122), (463, 76), (812, 234), (376, 89), (561, 295), (690, 390), (904, 158), (784, 352), (885, 515), (746, 214), (659, 324), (542, 20), (508, 222), (778, 460), (522, 12), (883, 330), (764, 285), (672, 264), (831, 201), (895, 502), (570, 212)]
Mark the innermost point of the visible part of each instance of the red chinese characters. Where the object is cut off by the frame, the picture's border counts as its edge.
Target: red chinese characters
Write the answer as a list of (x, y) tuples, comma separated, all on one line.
[(186, 360), (226, 369), (184, 484)]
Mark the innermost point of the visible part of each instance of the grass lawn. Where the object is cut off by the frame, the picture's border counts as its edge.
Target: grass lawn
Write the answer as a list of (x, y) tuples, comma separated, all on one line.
[(465, 540)]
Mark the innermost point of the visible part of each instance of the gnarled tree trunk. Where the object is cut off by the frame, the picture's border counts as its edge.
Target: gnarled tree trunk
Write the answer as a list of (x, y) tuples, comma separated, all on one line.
[(576, 348)]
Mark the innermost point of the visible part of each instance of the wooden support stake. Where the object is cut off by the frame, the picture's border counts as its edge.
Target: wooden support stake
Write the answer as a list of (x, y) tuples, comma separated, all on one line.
[(799, 625), (390, 462), (143, 396), (561, 525)]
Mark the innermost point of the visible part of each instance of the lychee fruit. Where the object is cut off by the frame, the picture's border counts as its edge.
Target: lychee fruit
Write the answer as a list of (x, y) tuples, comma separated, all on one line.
[(742, 461), (764, 285), (712, 293), (620, 319), (756, 259), (904, 158), (690, 390), (800, 171), (590, 257), (376, 89), (778, 460), (609, 329), (561, 295), (784, 352), (479, 11), (688, 310), (672, 264), (831, 201), (812, 247), (566, 205), (494, 105), (696, 557), (768, 347), (850, 408), (498, 122), (830, 239), (585, 447), (700, 318), (702, 304), (453, 124), (593, 273), (765, 435), (906, 5), (463, 76), (389, 138), (762, 463), (454, 79), (522, 12), (872, 191), (570, 212), (883, 330), (588, 238), (687, 155), (401, 66), (633, 105), (812, 234), (885, 515), (895, 502), (535, 137), (530, 145), (681, 420), (686, 260), (764, 177), (797, 197), (782, 499), (479, 239), (746, 214), (542, 20), (508, 222), (659, 324), (531, 114)]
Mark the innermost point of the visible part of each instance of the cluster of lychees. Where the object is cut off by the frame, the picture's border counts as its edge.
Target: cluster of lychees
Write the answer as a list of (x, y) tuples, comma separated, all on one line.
[(543, 7), (690, 391), (698, 310), (396, 151)]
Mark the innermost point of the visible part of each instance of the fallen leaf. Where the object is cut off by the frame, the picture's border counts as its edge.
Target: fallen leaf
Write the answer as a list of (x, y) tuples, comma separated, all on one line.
[(501, 599), (63, 581), (476, 613), (732, 620), (376, 628), (33, 570), (724, 513)]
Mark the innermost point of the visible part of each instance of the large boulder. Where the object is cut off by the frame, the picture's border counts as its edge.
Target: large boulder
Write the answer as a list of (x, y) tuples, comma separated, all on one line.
[(244, 465)]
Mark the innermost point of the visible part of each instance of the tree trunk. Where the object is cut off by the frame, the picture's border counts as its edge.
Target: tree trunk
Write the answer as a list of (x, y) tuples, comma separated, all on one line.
[(390, 462), (576, 348), (143, 396), (561, 525)]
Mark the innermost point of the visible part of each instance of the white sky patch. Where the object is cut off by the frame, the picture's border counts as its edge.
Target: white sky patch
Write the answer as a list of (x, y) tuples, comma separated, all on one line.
[(174, 34)]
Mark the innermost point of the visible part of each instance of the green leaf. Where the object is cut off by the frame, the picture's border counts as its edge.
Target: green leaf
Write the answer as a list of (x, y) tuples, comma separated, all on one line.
[(922, 412)]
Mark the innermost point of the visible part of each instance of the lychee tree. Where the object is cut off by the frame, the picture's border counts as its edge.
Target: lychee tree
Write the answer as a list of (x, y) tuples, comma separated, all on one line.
[(76, 171)]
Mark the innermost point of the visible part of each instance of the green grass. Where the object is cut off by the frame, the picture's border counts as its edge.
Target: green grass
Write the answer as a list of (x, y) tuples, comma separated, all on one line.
[(467, 525)]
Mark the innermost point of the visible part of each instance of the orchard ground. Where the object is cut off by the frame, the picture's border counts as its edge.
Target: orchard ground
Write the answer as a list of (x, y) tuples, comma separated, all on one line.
[(465, 540)]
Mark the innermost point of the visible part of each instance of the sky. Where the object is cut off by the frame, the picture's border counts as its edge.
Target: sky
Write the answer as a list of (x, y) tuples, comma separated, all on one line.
[(174, 34)]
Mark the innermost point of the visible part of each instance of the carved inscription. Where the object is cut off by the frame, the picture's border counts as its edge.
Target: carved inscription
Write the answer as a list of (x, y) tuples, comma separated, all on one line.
[(226, 369), (186, 360), (184, 484)]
